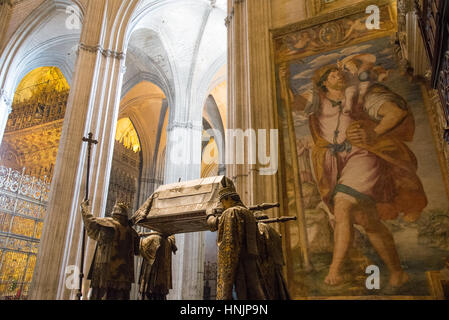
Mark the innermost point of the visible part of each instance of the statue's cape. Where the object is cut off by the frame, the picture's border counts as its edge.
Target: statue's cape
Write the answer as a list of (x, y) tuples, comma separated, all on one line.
[(155, 274)]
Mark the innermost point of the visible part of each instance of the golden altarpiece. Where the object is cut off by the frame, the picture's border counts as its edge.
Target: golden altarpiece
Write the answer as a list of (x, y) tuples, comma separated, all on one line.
[(27, 158)]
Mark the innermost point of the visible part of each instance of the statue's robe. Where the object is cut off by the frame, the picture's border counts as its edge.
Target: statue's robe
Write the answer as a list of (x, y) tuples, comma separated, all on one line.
[(112, 269), (238, 260), (155, 278), (272, 262), (398, 188)]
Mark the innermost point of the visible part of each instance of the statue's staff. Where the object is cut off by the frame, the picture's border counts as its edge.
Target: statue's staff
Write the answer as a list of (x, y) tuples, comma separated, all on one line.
[(276, 220), (90, 141), (258, 207), (149, 222), (261, 220)]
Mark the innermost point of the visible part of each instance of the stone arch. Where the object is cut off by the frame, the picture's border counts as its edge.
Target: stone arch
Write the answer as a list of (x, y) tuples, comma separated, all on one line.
[(212, 115), (197, 82), (21, 54), (38, 112), (96, 92), (38, 109), (211, 79), (147, 107), (153, 66)]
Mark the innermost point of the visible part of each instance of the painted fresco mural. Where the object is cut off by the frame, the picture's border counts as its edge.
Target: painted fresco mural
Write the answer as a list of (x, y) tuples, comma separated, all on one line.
[(361, 169)]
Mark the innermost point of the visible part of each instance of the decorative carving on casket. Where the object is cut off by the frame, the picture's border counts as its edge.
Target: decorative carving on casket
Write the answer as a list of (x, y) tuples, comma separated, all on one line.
[(180, 207)]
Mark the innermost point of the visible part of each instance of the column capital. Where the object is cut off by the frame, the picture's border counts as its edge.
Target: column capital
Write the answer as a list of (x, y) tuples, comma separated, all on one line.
[(228, 19), (105, 52), (184, 125), (152, 180), (406, 6)]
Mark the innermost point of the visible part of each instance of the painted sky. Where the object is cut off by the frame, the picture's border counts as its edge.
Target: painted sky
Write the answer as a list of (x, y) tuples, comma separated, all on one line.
[(302, 71)]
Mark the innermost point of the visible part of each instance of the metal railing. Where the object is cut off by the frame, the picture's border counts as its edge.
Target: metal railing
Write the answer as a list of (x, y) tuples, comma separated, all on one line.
[(23, 203)]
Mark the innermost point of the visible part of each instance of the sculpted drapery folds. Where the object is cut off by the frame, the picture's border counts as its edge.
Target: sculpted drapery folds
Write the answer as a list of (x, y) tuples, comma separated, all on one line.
[(238, 256), (269, 244), (112, 269), (155, 278)]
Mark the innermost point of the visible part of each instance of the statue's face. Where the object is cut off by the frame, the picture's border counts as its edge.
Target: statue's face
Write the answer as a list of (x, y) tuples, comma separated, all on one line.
[(117, 212), (227, 202)]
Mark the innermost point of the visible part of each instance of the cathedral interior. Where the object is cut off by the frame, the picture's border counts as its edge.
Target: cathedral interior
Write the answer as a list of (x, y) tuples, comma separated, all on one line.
[(160, 83)]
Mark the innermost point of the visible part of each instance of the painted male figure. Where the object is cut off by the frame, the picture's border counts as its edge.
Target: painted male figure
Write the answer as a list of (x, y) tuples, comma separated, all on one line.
[(364, 170), (112, 269)]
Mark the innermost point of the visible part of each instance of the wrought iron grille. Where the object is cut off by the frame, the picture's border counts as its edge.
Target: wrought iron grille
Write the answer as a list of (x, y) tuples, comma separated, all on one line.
[(23, 202)]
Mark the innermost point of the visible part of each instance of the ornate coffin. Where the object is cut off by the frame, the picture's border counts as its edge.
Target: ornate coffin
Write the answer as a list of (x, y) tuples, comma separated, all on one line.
[(180, 207)]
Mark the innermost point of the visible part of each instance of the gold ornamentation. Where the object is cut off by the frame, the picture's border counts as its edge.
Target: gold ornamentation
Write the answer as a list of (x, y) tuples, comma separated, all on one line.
[(123, 205), (22, 210), (332, 31)]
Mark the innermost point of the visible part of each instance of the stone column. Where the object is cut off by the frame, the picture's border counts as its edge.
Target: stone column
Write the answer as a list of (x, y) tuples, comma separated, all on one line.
[(92, 107), (252, 97), (5, 97), (250, 93), (221, 169), (5, 16), (148, 182), (183, 161)]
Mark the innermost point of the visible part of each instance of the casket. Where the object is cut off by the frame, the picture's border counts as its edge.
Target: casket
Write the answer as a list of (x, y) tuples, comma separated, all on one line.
[(180, 207)]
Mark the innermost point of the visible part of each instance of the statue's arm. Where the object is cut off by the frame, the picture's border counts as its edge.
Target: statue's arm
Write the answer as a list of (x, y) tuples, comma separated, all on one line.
[(212, 222), (172, 241), (94, 229)]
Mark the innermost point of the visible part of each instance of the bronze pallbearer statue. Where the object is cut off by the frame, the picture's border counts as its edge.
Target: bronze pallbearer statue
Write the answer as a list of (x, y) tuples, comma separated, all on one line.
[(191, 206), (238, 263), (271, 258), (112, 269), (155, 279)]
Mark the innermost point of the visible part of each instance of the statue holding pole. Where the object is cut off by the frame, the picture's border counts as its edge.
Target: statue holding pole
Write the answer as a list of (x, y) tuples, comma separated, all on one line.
[(112, 269)]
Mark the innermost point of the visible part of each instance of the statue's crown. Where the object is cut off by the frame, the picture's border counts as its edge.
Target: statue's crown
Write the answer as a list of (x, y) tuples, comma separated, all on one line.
[(227, 189), (124, 206)]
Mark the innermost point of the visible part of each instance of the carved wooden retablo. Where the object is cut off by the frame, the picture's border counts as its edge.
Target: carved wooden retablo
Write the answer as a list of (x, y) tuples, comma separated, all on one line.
[(180, 207)]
